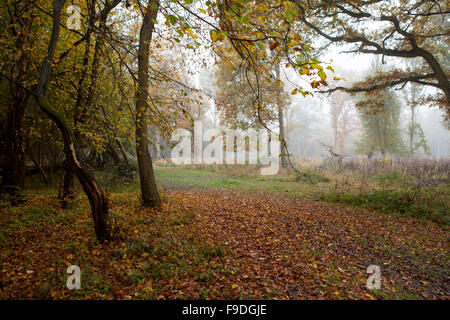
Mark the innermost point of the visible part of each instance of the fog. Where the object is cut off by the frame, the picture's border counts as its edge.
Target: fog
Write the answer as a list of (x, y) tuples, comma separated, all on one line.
[(309, 121)]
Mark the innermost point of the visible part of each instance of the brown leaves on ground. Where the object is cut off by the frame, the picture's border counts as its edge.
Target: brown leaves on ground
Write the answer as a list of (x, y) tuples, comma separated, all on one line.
[(219, 245)]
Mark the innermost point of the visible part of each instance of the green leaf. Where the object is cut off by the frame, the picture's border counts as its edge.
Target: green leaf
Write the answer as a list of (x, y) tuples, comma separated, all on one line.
[(322, 74), (172, 19)]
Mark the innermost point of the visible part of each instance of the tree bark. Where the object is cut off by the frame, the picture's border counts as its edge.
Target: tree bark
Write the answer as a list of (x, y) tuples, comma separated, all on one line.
[(283, 148), (149, 192)]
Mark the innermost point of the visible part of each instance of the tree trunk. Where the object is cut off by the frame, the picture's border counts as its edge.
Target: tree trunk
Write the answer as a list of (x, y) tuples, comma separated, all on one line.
[(157, 139), (79, 116), (334, 124), (38, 166), (12, 144), (13, 149), (86, 96), (122, 151), (283, 148), (97, 199), (412, 128), (150, 196), (123, 166), (68, 186)]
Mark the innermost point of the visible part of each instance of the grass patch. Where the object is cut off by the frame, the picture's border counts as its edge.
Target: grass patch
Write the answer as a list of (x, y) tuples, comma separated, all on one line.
[(430, 203), (390, 192)]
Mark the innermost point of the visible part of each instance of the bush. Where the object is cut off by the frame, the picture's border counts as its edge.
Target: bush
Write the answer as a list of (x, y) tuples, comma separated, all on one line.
[(393, 178), (310, 175), (13, 195), (429, 204)]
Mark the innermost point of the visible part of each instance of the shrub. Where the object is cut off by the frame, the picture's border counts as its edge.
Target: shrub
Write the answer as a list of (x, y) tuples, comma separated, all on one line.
[(393, 177), (311, 175), (423, 203)]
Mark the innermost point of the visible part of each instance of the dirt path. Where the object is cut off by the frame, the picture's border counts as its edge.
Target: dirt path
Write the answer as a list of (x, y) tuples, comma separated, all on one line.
[(294, 249)]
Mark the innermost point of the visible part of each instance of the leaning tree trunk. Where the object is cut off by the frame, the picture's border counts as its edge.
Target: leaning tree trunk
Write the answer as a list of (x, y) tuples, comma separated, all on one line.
[(86, 96), (97, 199), (68, 180), (150, 196)]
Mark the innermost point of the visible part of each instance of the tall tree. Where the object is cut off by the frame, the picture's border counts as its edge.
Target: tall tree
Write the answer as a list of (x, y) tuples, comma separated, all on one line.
[(402, 29), (87, 92), (149, 192), (416, 135), (18, 24), (281, 105), (97, 199), (343, 119), (379, 115)]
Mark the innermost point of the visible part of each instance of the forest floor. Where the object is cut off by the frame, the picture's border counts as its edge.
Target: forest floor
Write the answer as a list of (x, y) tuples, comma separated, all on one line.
[(217, 237)]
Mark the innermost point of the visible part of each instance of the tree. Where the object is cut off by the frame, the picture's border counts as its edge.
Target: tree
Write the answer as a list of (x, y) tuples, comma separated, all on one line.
[(236, 100), (343, 119), (379, 116), (303, 125), (82, 88), (417, 139), (97, 199), (401, 29), (87, 93), (17, 23), (150, 196)]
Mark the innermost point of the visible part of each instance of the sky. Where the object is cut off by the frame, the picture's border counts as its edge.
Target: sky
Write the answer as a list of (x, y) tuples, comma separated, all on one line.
[(430, 118)]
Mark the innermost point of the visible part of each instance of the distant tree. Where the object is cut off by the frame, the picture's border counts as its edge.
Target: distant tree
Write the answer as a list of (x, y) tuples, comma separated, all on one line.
[(417, 139), (379, 114), (303, 128), (343, 119), (237, 104)]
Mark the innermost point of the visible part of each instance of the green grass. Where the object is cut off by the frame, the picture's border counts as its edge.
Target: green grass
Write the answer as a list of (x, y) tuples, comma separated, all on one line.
[(386, 194), (201, 178), (428, 203)]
